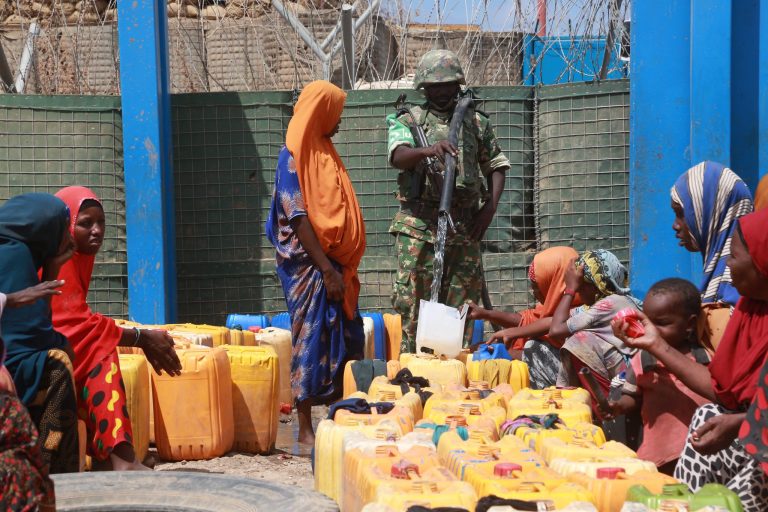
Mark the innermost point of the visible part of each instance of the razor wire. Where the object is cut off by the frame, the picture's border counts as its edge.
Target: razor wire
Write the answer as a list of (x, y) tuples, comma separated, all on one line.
[(252, 45)]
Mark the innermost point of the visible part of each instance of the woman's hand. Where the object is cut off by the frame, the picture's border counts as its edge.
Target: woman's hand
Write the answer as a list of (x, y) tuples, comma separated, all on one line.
[(716, 433), (651, 341), (158, 347), (505, 336), (30, 295), (475, 312), (334, 284), (574, 275)]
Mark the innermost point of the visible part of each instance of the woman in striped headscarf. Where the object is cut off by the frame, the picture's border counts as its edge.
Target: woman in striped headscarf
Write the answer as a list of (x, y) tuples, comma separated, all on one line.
[(707, 200)]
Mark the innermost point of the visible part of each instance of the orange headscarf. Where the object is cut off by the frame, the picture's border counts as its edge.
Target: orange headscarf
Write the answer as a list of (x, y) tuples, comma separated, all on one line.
[(328, 194), (761, 194), (549, 270), (92, 336)]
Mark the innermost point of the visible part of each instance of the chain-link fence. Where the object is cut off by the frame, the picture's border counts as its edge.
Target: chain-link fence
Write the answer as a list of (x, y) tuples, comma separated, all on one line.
[(47, 143), (567, 184), (249, 45), (583, 163)]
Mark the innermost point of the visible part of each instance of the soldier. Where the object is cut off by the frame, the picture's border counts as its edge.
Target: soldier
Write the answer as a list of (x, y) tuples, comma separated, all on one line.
[(479, 182)]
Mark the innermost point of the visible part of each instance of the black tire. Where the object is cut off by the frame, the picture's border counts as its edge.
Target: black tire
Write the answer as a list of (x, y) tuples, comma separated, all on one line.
[(157, 491)]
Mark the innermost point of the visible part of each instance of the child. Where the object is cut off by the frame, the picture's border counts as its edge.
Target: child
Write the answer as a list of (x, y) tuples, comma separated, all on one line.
[(666, 404), (599, 278)]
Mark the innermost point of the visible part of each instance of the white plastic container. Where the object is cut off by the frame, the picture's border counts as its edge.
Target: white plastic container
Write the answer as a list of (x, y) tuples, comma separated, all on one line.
[(440, 329)]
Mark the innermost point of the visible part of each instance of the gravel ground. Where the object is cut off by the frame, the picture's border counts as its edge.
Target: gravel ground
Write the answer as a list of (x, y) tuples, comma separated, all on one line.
[(288, 464)]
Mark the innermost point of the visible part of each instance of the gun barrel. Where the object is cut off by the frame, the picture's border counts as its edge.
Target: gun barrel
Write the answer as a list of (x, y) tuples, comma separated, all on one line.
[(450, 161)]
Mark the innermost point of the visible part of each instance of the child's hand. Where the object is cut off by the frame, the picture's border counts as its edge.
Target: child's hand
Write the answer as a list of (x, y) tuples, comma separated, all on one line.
[(650, 341), (574, 275)]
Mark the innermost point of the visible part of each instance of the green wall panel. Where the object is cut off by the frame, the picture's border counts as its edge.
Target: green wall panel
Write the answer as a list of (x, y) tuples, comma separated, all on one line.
[(583, 165), (49, 142), (567, 184)]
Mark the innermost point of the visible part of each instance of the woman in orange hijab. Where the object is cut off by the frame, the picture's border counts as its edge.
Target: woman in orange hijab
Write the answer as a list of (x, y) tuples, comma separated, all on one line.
[(317, 229), (526, 332)]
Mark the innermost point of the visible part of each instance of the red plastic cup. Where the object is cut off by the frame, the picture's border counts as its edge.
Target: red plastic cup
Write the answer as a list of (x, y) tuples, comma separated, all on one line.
[(635, 326)]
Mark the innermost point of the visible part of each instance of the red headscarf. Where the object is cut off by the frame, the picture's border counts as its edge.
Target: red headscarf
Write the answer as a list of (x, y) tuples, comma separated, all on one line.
[(328, 194), (92, 336), (742, 351), (548, 269)]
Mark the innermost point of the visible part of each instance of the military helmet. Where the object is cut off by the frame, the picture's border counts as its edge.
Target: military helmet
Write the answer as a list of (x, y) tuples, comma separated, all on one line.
[(436, 67)]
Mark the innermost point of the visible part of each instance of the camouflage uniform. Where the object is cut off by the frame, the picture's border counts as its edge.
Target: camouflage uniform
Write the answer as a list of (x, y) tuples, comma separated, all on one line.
[(415, 225)]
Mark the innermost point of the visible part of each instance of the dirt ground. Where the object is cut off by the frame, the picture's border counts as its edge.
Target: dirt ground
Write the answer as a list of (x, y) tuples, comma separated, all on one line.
[(288, 464)]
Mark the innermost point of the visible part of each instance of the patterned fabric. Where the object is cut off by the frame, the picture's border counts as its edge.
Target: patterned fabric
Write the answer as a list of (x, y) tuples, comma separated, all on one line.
[(102, 406), (323, 339), (462, 279), (603, 269), (712, 198), (593, 342), (754, 431), (438, 66), (666, 406), (287, 204), (24, 482), (543, 362), (532, 273), (479, 156), (732, 467), (53, 410)]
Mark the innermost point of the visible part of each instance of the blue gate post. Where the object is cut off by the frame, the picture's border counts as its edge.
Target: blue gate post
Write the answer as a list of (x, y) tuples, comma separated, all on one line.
[(698, 91), (762, 107), (710, 69), (144, 83), (659, 150), (745, 72)]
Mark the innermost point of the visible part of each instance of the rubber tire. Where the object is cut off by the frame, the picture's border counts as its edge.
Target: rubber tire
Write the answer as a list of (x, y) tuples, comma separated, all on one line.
[(178, 491)]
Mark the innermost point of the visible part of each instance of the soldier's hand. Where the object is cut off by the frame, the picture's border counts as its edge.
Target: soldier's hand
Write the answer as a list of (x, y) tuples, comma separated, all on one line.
[(482, 221), (440, 149)]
